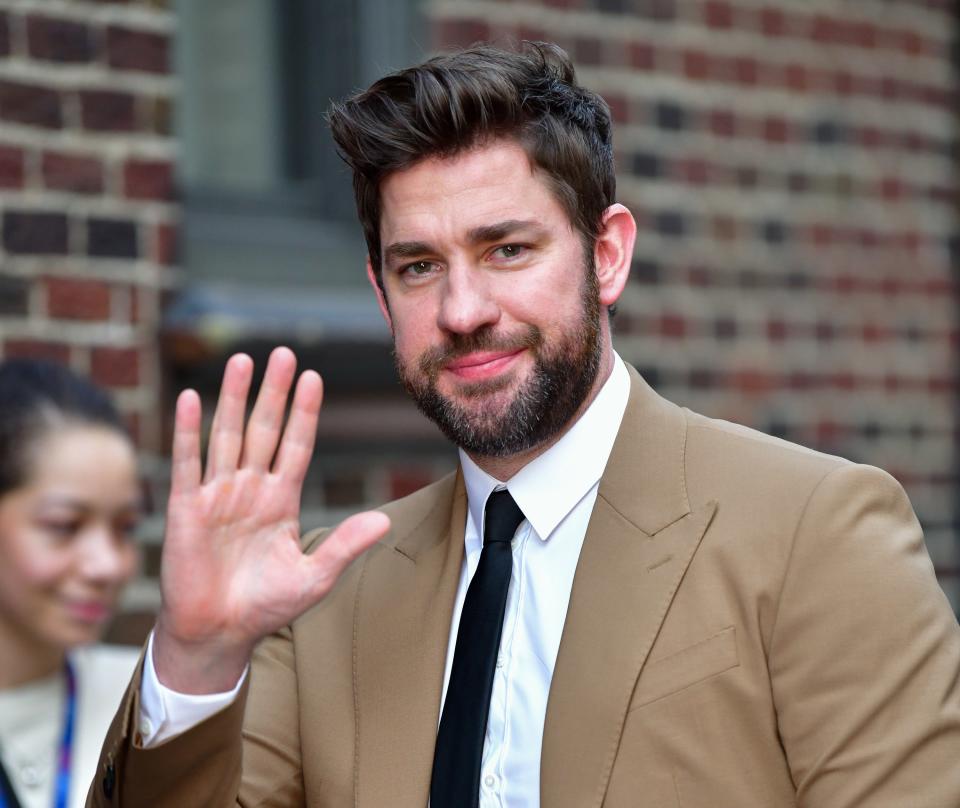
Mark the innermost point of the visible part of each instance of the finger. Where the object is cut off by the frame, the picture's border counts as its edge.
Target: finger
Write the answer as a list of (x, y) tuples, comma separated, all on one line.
[(185, 464), (263, 429), (226, 431), (348, 540), (299, 437)]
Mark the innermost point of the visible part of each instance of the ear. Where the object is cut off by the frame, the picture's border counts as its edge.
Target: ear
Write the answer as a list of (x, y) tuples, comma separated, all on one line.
[(381, 299), (613, 253)]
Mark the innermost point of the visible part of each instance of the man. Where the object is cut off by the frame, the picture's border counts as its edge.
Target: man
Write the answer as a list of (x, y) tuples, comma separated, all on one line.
[(612, 602)]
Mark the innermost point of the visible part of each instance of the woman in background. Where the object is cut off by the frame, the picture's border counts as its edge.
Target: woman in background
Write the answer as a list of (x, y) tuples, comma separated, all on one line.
[(69, 502)]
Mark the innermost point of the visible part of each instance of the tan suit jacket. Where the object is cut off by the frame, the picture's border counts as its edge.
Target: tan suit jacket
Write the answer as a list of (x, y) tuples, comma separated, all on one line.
[(752, 625)]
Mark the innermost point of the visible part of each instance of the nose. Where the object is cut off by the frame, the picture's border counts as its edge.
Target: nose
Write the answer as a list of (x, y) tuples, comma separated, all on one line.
[(468, 302), (106, 556)]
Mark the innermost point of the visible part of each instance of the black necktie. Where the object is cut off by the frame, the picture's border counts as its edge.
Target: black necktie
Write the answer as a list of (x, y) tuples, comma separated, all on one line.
[(456, 761)]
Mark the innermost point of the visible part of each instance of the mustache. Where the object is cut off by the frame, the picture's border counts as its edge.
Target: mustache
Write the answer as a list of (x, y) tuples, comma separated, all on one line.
[(484, 339)]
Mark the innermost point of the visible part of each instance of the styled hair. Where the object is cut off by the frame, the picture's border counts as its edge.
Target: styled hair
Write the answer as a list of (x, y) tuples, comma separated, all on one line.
[(35, 397), (464, 99)]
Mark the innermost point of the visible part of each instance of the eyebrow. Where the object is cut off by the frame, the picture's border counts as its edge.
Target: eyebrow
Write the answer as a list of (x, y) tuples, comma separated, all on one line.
[(71, 503), (478, 235)]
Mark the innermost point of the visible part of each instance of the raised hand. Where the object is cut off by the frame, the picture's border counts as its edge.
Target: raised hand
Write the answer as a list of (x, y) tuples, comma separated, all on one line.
[(232, 567)]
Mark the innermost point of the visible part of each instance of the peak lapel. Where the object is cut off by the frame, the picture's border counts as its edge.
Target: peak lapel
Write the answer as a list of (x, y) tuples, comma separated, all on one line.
[(641, 538), (401, 625)]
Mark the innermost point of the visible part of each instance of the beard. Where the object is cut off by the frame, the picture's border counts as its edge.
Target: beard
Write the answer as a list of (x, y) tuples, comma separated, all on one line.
[(486, 419)]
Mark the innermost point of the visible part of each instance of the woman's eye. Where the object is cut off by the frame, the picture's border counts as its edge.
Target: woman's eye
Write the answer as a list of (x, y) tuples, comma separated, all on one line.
[(62, 530)]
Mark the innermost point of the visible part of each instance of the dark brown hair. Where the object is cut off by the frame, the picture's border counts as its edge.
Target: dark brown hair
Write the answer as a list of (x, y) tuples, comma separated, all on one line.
[(456, 101), (37, 396)]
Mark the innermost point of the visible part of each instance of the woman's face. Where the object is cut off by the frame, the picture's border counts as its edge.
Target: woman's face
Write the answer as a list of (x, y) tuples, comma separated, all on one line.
[(66, 545)]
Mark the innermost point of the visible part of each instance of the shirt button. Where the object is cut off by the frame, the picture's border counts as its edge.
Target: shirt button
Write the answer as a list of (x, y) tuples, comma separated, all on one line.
[(499, 661), (146, 727), (30, 776), (489, 781)]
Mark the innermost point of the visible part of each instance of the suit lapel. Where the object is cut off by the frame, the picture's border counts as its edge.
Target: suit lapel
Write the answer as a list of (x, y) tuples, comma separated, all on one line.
[(402, 623), (641, 538)]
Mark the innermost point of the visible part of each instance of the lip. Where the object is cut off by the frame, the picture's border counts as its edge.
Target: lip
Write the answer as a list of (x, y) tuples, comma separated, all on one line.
[(481, 365), (89, 611)]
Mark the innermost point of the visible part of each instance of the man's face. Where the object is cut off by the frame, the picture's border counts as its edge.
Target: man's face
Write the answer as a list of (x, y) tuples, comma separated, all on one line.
[(492, 300)]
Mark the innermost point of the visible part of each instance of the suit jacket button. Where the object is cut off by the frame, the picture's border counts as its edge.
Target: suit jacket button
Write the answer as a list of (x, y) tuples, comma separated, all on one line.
[(109, 781)]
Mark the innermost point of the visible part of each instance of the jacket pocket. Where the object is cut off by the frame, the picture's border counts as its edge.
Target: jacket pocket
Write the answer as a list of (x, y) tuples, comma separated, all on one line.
[(684, 668)]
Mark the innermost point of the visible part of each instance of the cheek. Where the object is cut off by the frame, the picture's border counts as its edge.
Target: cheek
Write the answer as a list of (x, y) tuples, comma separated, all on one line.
[(31, 563)]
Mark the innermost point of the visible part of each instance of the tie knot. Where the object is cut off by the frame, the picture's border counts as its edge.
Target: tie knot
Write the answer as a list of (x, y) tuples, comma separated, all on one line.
[(502, 517)]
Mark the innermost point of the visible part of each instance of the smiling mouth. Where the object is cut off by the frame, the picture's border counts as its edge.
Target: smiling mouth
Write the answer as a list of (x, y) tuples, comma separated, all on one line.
[(89, 611)]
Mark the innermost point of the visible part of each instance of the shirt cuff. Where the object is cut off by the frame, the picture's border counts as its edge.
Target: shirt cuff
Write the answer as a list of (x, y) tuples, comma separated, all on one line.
[(165, 713)]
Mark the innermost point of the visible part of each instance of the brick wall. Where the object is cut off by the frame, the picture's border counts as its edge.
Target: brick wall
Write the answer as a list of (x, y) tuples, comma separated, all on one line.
[(87, 209), (793, 168)]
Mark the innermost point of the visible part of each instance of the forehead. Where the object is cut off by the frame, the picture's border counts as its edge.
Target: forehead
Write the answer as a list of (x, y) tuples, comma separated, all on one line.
[(449, 196), (84, 461)]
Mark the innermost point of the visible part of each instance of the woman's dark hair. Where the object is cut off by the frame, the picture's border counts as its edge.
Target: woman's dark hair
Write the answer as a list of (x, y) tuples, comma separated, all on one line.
[(36, 396), (454, 102)]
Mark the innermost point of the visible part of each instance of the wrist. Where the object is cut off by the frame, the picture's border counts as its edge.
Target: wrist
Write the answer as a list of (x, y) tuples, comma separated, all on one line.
[(197, 667)]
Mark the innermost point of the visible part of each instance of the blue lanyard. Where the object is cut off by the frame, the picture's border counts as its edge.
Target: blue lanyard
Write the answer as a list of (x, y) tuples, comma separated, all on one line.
[(66, 743)]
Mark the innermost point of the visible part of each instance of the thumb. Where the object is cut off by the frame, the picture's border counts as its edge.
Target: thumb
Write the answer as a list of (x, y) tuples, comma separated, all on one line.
[(351, 538)]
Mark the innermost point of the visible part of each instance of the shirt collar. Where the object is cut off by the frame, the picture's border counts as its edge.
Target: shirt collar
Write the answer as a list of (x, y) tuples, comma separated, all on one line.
[(551, 485)]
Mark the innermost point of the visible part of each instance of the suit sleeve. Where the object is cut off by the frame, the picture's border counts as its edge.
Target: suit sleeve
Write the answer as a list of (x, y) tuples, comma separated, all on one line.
[(865, 654), (256, 736)]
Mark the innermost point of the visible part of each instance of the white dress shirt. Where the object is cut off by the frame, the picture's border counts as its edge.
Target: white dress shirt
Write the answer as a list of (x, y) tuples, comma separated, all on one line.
[(556, 493)]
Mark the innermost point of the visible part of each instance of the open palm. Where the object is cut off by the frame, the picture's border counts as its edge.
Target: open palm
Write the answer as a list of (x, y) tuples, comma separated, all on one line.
[(232, 569)]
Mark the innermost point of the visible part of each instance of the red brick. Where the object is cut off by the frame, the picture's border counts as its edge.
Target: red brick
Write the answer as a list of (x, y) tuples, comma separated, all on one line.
[(723, 122), (891, 188), (587, 50), (642, 56), (37, 349), (406, 481), (776, 330), (746, 69), (696, 65), (165, 240), (753, 382), (148, 179), (864, 34), (694, 170), (911, 42), (796, 77), (55, 40), (78, 299), (108, 111), (460, 33), (843, 82), (145, 51), (824, 29), (672, 326), (72, 172), (776, 130), (30, 104), (115, 367), (718, 14), (772, 22), (619, 107), (11, 167), (724, 228)]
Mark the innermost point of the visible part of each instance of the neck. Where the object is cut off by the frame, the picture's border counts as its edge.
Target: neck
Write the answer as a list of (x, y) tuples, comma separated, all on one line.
[(503, 468), (25, 659)]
